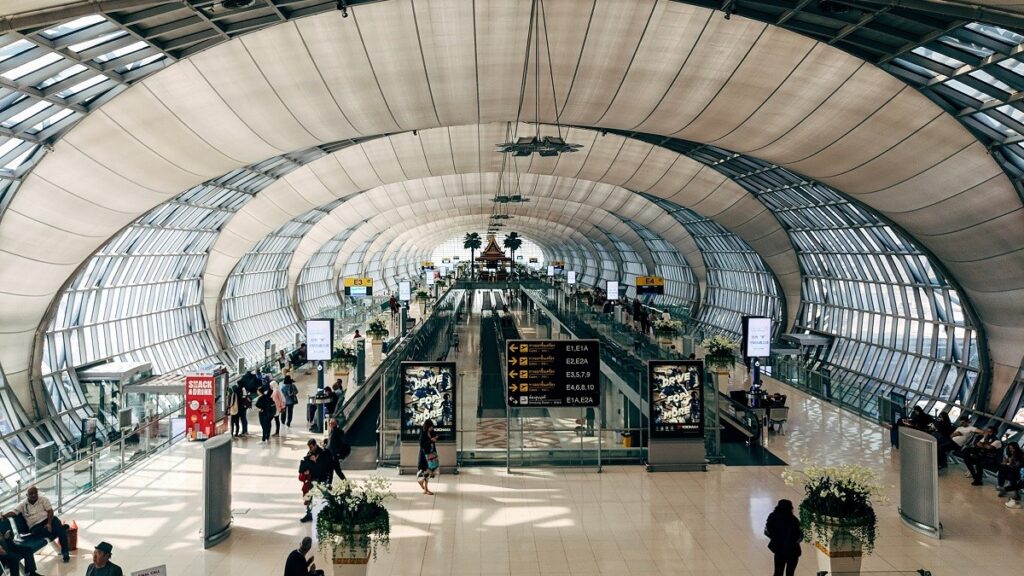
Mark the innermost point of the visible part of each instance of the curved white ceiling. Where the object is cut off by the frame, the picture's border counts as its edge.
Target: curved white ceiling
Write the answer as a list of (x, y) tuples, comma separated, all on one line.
[(657, 67)]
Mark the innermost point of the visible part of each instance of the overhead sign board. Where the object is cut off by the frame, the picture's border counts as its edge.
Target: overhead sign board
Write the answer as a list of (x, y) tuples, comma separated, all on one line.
[(676, 402), (757, 337), (553, 373), (405, 290), (426, 264), (358, 286), (319, 339), (650, 285)]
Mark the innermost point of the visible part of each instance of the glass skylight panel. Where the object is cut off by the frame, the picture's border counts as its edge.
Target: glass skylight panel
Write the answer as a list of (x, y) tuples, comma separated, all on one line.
[(72, 26), (83, 46), (991, 80), (26, 113), (31, 66), (969, 91), (63, 75), (971, 47), (996, 33), (134, 47), (15, 48), (83, 85), (937, 57)]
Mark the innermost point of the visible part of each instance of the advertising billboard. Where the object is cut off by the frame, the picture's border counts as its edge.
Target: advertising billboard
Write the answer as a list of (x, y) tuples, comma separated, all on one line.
[(757, 337), (405, 290), (428, 391), (676, 393), (613, 290), (319, 339), (199, 402)]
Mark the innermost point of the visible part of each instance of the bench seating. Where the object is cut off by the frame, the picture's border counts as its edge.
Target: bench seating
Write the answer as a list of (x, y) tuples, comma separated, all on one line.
[(21, 535)]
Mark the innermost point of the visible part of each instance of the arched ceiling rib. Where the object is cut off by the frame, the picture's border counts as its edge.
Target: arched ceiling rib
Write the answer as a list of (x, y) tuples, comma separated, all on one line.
[(675, 71)]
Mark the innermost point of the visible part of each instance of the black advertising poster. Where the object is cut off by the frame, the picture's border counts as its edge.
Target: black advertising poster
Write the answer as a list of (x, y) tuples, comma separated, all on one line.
[(553, 373), (677, 398), (428, 391)]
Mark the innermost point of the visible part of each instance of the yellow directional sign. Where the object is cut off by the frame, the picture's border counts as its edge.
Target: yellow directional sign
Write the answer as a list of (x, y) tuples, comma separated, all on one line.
[(560, 373), (356, 281), (650, 281), (514, 347), (513, 388), (513, 374)]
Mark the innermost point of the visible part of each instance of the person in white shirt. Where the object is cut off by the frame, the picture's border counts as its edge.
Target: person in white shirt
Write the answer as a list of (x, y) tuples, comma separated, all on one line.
[(964, 432), (42, 523)]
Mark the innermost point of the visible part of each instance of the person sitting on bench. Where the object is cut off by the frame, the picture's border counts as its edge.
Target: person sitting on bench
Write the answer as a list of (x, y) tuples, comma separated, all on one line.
[(11, 553), (987, 451), (38, 515)]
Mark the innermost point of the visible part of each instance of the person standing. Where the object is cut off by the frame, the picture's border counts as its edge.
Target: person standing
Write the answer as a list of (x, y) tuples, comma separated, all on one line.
[(590, 420), (337, 446), (784, 536), (279, 405), (265, 404), (428, 452), (101, 564), (298, 564), (233, 411), (38, 514), (291, 398)]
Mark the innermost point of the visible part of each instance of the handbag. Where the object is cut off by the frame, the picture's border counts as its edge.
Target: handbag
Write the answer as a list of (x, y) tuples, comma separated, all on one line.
[(432, 461)]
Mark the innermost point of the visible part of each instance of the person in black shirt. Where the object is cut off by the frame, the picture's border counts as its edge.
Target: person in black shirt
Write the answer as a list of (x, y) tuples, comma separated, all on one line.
[(297, 563), (919, 419), (337, 446), (784, 536), (427, 452), (265, 404)]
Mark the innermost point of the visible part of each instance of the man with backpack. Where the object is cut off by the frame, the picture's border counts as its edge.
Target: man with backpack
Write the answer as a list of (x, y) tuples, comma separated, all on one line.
[(337, 446)]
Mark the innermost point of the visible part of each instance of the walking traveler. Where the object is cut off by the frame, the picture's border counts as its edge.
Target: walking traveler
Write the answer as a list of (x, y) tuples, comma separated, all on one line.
[(291, 398), (265, 404), (428, 463), (784, 536), (42, 523), (337, 446), (279, 404), (233, 410)]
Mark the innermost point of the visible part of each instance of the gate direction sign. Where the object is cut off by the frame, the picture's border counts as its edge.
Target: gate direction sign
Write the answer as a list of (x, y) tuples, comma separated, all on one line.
[(553, 373)]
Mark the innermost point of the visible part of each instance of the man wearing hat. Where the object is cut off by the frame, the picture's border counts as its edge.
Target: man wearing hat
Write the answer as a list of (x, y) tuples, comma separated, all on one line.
[(101, 564)]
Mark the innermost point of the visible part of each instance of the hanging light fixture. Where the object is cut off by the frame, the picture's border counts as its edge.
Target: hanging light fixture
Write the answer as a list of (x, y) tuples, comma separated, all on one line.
[(537, 144)]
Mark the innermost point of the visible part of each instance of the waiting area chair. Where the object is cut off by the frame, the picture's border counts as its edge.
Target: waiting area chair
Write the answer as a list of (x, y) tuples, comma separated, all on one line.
[(778, 416)]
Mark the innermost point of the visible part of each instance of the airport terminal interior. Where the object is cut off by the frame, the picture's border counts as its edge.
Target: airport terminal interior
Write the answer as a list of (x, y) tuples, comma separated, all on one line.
[(649, 267)]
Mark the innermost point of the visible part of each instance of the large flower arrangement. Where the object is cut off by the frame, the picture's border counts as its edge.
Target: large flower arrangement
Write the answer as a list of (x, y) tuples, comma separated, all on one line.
[(838, 498), (378, 328), (663, 326), (719, 351), (353, 516)]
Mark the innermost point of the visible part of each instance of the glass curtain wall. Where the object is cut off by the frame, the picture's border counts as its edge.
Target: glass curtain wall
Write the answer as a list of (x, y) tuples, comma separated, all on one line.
[(739, 282), (681, 288), (316, 288)]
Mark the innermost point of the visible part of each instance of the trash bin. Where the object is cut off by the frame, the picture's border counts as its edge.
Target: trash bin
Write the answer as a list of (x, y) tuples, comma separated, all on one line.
[(72, 529), (627, 440)]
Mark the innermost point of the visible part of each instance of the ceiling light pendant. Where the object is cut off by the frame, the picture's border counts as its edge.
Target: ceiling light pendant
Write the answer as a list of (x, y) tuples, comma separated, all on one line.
[(540, 145)]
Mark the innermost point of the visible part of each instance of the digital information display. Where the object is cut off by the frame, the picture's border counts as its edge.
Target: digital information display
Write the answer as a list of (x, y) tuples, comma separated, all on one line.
[(553, 373), (405, 290), (676, 393), (551, 270), (429, 277), (613, 290), (356, 291), (319, 339), (428, 391), (571, 277), (757, 337)]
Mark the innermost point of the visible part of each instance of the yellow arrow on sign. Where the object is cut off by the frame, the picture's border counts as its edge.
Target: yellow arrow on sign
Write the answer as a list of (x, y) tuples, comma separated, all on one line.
[(513, 347), (513, 361), (513, 387), (513, 374)]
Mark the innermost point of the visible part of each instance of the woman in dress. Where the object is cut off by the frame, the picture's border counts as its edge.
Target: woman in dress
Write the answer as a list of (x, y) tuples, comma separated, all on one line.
[(428, 451)]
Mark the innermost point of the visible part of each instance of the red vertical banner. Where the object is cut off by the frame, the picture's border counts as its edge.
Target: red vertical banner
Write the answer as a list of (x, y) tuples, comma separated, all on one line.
[(199, 407)]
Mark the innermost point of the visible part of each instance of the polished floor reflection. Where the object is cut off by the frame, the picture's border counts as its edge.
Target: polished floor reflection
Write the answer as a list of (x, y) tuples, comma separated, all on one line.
[(623, 521)]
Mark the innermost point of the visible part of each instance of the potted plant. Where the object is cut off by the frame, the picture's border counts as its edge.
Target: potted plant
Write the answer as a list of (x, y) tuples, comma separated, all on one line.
[(377, 329), (341, 360), (837, 513), (665, 327), (422, 297), (719, 352), (352, 522)]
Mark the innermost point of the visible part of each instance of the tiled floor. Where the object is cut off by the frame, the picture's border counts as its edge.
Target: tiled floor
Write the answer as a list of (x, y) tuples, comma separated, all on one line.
[(621, 522)]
